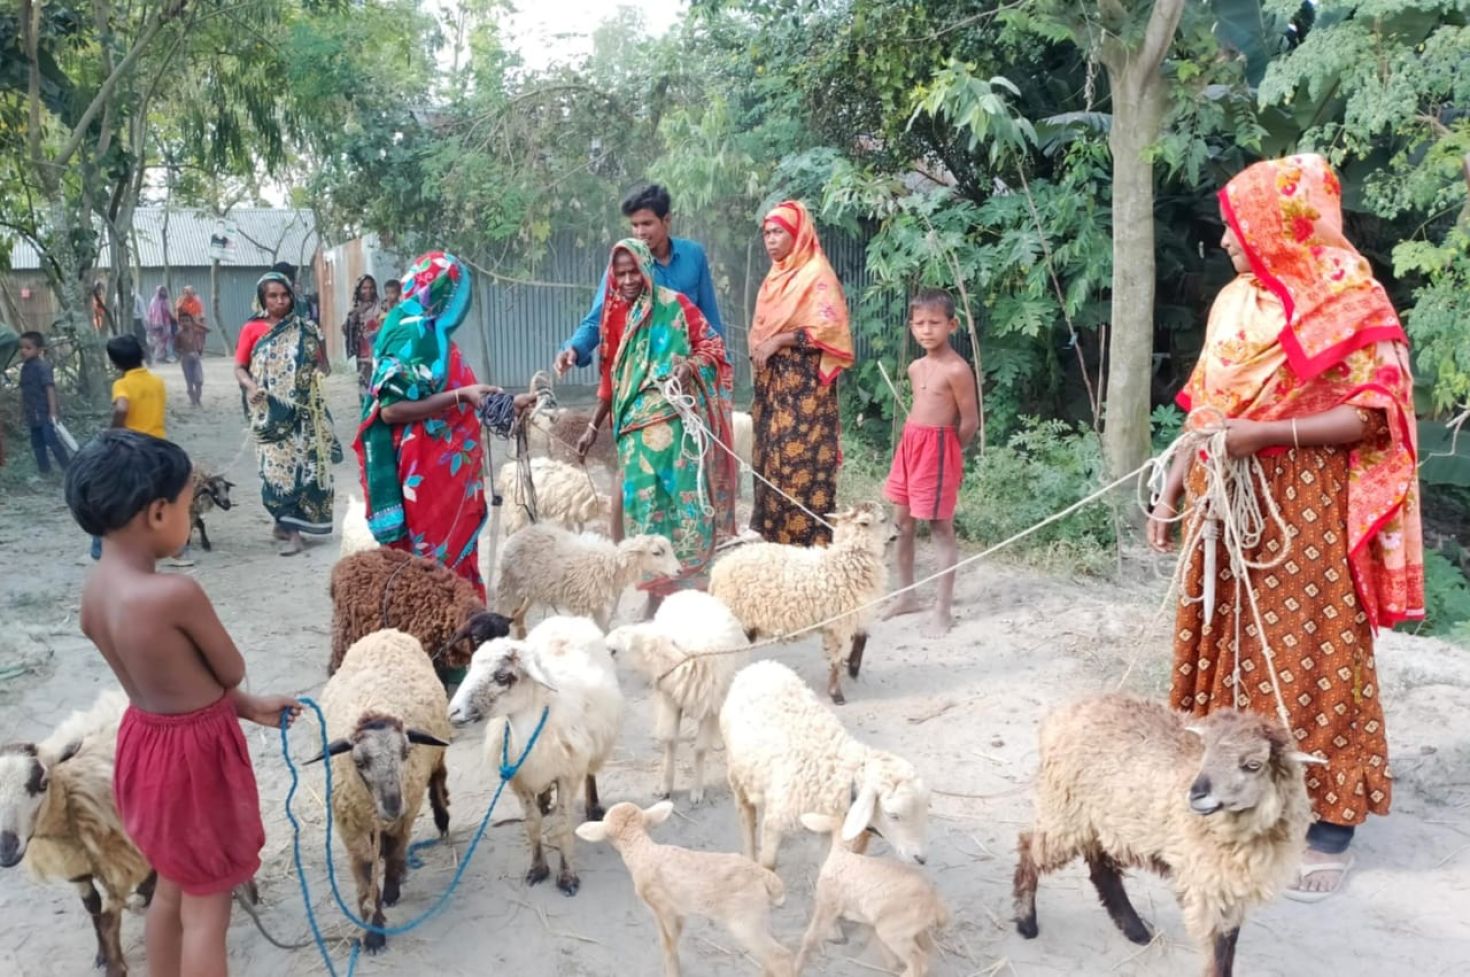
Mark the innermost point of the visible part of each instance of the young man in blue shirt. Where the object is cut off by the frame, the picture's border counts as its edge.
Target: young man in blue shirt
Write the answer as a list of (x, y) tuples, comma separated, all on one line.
[(678, 263)]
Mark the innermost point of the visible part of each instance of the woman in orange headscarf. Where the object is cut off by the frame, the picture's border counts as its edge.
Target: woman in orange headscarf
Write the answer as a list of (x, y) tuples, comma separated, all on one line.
[(1307, 364), (799, 343)]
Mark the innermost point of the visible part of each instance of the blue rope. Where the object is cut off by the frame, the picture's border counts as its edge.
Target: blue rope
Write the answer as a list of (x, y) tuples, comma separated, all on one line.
[(507, 771)]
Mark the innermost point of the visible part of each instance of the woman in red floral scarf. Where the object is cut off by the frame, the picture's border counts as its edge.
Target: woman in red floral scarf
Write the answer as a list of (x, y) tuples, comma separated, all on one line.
[(1305, 360)]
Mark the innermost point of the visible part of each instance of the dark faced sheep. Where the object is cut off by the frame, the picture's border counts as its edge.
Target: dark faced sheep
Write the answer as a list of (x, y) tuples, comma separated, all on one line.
[(1217, 804), (382, 588)]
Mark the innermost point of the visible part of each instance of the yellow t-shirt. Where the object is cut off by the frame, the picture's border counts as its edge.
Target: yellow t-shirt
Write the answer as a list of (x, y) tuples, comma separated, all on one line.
[(144, 391)]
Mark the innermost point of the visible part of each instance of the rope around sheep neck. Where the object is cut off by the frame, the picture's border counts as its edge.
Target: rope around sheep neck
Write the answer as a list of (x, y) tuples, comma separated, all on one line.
[(507, 771)]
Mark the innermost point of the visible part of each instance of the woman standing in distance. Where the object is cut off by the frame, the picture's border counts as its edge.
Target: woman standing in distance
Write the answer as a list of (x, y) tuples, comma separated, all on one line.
[(799, 343)]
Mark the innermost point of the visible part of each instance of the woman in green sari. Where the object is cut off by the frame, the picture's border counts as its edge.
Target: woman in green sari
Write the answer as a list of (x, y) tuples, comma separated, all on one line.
[(279, 364), (650, 335)]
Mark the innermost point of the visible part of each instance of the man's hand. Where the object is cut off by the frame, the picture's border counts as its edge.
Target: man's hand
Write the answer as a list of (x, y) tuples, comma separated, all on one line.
[(586, 441), (564, 361)]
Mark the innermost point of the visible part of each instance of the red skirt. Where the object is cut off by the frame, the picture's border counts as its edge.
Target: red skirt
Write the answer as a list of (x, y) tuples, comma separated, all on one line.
[(186, 793)]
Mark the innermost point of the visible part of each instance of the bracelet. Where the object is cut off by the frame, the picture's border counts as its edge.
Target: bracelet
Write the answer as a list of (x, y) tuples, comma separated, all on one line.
[(1294, 442), (592, 427), (456, 396)]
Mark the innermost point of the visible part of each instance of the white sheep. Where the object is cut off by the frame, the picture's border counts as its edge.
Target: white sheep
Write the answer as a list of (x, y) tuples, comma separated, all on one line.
[(562, 667), (787, 755), (744, 434), (564, 496), (896, 900), (1218, 804), (668, 651), (356, 536), (58, 813), (383, 701), (675, 883), (579, 575), (775, 590)]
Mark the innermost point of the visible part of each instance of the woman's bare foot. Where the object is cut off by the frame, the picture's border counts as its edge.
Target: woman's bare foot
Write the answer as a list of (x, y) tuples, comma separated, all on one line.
[(278, 533), (293, 545), (908, 604), (938, 624), (1320, 876)]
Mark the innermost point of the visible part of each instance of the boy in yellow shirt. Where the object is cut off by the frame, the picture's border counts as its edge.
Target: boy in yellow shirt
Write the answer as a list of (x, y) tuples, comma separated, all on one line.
[(138, 395)]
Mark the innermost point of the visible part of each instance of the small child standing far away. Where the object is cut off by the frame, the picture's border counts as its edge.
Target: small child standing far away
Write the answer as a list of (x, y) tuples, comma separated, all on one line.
[(183, 782), (928, 465), (38, 404)]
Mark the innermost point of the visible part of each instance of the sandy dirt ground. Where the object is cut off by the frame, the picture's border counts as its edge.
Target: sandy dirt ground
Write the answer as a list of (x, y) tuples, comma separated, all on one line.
[(964, 709)]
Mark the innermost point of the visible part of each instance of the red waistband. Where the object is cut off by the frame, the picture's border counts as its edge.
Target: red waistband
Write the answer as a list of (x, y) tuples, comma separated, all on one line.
[(221, 705), (910, 425)]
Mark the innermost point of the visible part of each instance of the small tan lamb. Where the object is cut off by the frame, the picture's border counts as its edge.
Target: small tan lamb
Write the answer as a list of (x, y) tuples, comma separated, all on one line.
[(676, 882)]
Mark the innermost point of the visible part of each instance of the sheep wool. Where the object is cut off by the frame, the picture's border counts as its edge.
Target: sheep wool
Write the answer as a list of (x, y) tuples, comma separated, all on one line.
[(565, 496), (787, 755)]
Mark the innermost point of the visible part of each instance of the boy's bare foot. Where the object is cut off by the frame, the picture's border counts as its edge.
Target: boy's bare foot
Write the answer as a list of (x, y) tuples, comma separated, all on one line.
[(908, 604), (938, 625)]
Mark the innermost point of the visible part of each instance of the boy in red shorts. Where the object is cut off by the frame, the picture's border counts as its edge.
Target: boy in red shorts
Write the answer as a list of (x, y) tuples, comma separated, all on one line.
[(183, 781), (929, 463)]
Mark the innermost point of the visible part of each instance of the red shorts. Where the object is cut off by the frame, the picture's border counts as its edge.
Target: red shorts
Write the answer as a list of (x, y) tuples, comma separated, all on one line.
[(186, 793), (926, 473)]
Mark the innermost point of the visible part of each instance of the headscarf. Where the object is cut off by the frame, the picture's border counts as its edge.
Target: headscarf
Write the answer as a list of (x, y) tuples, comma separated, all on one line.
[(262, 282), (410, 362), (1310, 330), (801, 291), (158, 310), (189, 304)]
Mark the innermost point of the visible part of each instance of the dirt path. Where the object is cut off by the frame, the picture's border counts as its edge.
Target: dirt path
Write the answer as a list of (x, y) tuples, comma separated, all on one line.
[(963, 709)]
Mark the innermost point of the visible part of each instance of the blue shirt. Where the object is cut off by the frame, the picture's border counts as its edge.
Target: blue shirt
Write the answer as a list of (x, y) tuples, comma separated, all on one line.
[(686, 272)]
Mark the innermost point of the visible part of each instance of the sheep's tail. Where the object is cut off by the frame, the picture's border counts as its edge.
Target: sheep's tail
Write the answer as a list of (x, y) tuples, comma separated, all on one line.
[(775, 888)]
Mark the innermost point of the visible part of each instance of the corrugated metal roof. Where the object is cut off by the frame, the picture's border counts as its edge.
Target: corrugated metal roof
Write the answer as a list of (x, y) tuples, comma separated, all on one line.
[(266, 235)]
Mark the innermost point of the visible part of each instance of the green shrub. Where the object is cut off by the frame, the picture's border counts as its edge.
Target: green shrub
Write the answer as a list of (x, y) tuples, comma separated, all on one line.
[(1446, 598)]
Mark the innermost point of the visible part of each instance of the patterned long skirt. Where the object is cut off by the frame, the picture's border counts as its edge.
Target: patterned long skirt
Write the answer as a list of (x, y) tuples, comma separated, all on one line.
[(795, 434), (1319, 638)]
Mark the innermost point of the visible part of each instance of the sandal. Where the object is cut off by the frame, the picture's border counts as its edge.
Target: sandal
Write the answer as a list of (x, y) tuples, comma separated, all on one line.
[(1306, 871)]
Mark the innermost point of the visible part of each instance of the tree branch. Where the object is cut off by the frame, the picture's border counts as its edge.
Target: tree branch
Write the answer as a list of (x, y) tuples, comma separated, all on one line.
[(1159, 35)]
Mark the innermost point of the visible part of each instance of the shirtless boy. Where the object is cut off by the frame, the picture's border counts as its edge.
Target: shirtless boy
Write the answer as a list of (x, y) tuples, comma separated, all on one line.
[(928, 464), (184, 785)]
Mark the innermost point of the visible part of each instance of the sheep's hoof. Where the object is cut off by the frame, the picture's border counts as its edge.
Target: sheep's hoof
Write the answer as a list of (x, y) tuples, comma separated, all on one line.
[(537, 875), (390, 893), (1026, 926), (374, 943), (1139, 933), (838, 699), (696, 798), (116, 970), (568, 882), (595, 812)]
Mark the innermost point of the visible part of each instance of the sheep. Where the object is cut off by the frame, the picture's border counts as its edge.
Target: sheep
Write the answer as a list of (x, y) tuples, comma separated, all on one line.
[(554, 434), (744, 434), (581, 575), (1218, 805), (676, 882), (787, 755), (687, 623), (900, 904), (382, 702), (356, 536), (563, 666), (564, 495), (210, 492), (775, 590), (57, 812), (382, 588)]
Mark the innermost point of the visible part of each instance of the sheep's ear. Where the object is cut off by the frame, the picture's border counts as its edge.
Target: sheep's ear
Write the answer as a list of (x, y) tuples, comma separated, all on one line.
[(1301, 757), (860, 814), (67, 752), (422, 738), (658, 814), (593, 831), (532, 664), (334, 748), (822, 824)]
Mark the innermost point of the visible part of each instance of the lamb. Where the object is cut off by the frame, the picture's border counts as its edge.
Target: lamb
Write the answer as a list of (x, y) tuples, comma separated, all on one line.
[(563, 666), (210, 492), (1218, 805), (57, 812), (900, 904), (564, 496), (686, 624), (581, 575), (356, 536), (384, 701), (676, 882), (381, 588), (775, 590), (787, 755), (554, 434)]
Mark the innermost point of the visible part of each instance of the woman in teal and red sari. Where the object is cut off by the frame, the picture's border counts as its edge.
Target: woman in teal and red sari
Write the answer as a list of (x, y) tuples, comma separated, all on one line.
[(649, 335), (419, 443)]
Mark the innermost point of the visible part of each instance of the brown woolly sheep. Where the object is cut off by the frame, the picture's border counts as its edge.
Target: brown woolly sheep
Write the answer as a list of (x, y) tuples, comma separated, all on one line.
[(381, 588), (1217, 804)]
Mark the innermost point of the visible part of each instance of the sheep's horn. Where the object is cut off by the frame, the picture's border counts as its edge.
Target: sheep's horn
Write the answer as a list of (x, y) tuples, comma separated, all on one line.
[(334, 748)]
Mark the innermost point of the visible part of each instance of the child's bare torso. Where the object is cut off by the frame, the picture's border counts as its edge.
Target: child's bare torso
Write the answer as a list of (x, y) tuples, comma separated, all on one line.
[(134, 620), (934, 377)]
